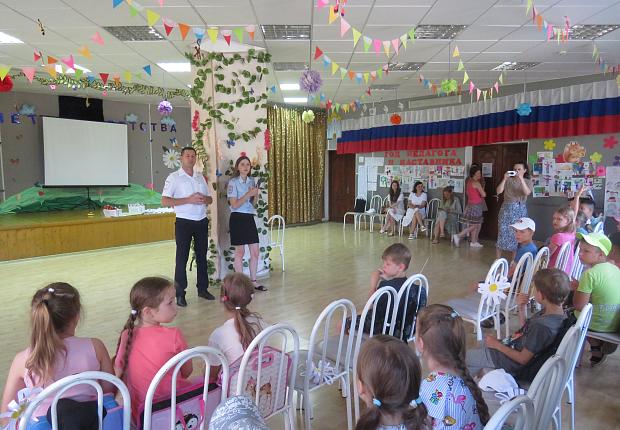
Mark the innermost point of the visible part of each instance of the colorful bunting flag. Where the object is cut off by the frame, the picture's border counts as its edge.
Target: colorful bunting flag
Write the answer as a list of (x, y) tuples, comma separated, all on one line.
[(51, 70), (472, 87), (168, 26), (37, 55), (343, 72), (386, 47), (152, 17), (184, 29), (69, 62), (332, 15), (127, 76), (396, 45), (51, 60), (213, 32), (317, 53), (238, 31), (367, 43), (465, 77), (147, 69), (356, 36), (376, 43), (28, 73), (335, 67), (4, 70), (227, 35), (84, 51), (97, 38), (456, 52), (460, 66), (104, 77), (322, 3), (199, 33), (403, 40), (251, 29), (344, 27), (116, 3), (78, 73), (133, 12), (478, 92)]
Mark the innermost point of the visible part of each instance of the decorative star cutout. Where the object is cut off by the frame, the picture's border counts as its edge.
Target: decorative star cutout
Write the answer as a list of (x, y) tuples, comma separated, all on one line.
[(610, 142), (596, 157), (230, 143), (549, 145), (524, 109), (533, 158)]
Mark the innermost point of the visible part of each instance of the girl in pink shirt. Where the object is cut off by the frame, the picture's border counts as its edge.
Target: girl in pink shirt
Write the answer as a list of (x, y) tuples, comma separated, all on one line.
[(564, 231), (55, 352), (145, 345)]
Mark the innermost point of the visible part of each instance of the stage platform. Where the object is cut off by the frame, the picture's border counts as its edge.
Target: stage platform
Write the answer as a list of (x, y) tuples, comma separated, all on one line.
[(26, 235)]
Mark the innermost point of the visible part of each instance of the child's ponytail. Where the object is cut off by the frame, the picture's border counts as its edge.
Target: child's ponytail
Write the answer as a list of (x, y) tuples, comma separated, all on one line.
[(236, 294)]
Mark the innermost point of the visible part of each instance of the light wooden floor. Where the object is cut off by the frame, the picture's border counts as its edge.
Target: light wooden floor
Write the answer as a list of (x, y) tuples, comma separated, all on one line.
[(323, 263)]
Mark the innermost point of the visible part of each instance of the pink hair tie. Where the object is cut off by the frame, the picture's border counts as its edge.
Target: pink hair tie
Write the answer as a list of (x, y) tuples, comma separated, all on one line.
[(224, 298)]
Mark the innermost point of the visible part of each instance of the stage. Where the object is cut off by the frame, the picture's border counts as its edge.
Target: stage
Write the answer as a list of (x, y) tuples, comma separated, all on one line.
[(26, 235)]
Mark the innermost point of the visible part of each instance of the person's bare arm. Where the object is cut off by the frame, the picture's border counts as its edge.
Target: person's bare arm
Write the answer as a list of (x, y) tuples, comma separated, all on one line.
[(195, 199), (236, 203), (580, 300), (105, 364), (14, 381)]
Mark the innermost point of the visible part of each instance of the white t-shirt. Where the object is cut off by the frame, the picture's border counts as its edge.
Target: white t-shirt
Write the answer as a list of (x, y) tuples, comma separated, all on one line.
[(179, 185), (418, 200), (226, 339)]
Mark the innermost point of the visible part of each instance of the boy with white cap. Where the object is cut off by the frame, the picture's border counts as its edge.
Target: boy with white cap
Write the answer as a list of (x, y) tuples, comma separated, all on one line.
[(599, 285), (524, 230)]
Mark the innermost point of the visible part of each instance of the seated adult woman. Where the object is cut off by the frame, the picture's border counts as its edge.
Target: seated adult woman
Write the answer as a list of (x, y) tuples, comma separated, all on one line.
[(447, 214), (396, 208), (416, 209)]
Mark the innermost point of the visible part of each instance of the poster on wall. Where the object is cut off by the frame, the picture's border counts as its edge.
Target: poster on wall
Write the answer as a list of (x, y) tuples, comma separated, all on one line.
[(612, 192), (487, 170)]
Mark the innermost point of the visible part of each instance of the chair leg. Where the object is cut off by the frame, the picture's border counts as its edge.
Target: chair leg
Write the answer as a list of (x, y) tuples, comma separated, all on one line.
[(571, 401), (348, 401), (308, 411), (299, 406), (282, 257)]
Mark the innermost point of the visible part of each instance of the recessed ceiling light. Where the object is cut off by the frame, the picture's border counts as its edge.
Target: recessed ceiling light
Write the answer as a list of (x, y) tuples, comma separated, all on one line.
[(398, 67), (590, 31), (512, 65), (288, 66), (135, 33), (438, 31), (286, 32), (295, 99), (7, 38), (175, 67), (289, 87)]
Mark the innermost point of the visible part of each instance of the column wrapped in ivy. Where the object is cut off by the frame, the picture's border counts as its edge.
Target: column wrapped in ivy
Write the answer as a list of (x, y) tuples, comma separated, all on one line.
[(229, 119)]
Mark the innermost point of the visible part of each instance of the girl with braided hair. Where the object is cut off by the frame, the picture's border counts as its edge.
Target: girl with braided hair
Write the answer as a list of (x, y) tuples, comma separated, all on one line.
[(449, 392), (389, 375), (145, 344), (55, 351)]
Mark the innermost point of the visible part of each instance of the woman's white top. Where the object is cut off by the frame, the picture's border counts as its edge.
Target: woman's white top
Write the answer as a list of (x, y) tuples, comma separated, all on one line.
[(418, 200)]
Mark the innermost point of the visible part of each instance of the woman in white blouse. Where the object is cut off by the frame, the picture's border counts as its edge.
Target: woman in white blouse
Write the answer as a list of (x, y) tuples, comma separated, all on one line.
[(416, 211), (396, 209)]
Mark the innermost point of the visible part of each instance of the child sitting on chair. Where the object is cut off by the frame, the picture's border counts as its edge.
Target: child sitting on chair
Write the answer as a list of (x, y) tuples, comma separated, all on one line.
[(537, 333), (524, 230)]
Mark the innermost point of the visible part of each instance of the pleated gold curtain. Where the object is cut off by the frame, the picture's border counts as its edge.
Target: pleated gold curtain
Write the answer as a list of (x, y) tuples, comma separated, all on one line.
[(297, 164)]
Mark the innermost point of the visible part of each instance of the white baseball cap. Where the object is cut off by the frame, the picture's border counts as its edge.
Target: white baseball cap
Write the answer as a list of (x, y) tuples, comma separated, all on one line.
[(523, 223)]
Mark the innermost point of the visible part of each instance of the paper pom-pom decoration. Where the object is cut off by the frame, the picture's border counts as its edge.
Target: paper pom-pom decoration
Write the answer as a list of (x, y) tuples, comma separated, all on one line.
[(307, 116), (6, 84), (131, 118), (395, 119), (524, 109), (494, 290), (310, 81), (164, 107), (449, 86)]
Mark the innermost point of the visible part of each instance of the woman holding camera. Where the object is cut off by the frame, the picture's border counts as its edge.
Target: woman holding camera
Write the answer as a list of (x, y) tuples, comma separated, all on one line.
[(516, 186)]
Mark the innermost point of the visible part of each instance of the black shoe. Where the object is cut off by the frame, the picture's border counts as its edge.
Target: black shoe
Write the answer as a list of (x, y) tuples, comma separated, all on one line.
[(181, 301), (490, 323), (206, 295)]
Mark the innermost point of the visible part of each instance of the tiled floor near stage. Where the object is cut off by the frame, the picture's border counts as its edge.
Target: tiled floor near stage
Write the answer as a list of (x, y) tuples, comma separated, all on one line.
[(323, 263)]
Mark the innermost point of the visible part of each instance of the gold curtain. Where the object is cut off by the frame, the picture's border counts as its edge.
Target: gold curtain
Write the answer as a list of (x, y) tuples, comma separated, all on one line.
[(297, 164)]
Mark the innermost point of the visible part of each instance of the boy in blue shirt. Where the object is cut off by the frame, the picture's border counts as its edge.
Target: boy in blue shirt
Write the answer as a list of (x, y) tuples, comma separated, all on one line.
[(524, 230)]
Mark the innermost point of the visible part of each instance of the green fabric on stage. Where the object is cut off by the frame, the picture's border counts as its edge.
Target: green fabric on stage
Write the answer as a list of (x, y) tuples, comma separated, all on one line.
[(39, 199)]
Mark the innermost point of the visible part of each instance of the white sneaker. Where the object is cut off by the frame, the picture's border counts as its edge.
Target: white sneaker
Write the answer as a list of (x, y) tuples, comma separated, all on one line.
[(456, 239), (411, 237), (476, 245), (423, 229), (408, 217), (381, 231)]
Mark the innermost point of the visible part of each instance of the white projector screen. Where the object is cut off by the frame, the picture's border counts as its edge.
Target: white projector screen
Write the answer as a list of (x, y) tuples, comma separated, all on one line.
[(84, 153)]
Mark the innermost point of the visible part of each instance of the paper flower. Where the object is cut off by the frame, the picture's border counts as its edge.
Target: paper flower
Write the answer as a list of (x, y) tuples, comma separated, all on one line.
[(524, 109), (600, 171), (168, 120), (616, 161), (267, 140), (230, 143), (395, 119), (494, 290), (196, 121), (172, 159), (310, 81), (596, 157), (27, 110), (131, 118), (307, 116), (610, 142), (549, 145), (449, 86), (164, 107)]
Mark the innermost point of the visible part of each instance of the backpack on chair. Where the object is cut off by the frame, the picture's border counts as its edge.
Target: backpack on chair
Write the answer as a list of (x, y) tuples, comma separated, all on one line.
[(360, 205)]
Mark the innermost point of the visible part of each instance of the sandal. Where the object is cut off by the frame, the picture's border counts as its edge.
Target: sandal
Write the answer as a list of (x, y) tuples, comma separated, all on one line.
[(259, 287), (597, 359)]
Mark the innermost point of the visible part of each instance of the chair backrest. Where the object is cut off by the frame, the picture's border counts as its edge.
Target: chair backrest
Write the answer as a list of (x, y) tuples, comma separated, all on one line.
[(431, 210), (92, 378), (561, 262), (376, 203), (577, 269), (541, 261), (497, 271), (599, 227), (320, 336), (276, 235), (404, 319), (520, 283), (259, 359), (520, 409), (546, 391), (210, 356)]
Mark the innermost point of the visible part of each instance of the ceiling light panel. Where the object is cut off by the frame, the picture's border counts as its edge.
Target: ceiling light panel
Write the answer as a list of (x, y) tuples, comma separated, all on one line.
[(8, 39), (139, 33), (288, 66), (176, 67), (439, 31), (289, 87), (591, 31), (512, 65), (295, 100), (384, 87), (286, 32), (405, 67)]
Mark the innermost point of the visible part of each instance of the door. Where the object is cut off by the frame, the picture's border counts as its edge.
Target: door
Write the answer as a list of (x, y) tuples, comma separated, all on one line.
[(341, 185), (503, 157)]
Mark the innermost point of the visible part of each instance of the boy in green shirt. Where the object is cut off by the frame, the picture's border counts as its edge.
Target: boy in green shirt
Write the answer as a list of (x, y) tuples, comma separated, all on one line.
[(599, 285)]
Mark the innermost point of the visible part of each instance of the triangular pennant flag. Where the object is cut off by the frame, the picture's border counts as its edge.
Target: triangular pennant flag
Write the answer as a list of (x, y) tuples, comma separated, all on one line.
[(51, 70), (434, 89), (117, 80), (472, 87), (238, 32), (351, 74), (411, 34), (367, 43), (501, 78), (97, 38), (550, 32), (461, 66), (90, 79), (227, 35), (127, 76), (465, 77), (373, 75), (356, 36), (326, 61), (539, 22), (168, 26), (104, 77), (152, 17), (251, 29), (496, 86), (529, 6), (386, 47), (136, 5), (84, 51), (380, 73), (213, 31), (396, 45), (368, 91), (456, 52), (115, 3), (184, 29), (161, 3), (28, 73), (51, 60), (37, 56), (358, 78), (138, 75), (366, 77), (69, 62), (147, 69), (199, 34), (133, 12), (344, 27), (478, 92), (4, 70), (78, 73), (273, 89), (377, 45), (332, 15), (317, 53), (322, 3), (343, 72), (594, 51), (335, 67)]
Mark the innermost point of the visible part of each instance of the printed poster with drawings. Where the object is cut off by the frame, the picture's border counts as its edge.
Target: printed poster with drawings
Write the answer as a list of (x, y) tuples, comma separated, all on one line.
[(612, 192)]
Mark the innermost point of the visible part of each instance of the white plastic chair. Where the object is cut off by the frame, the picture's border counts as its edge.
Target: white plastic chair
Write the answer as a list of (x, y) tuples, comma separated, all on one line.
[(382, 216), (265, 337), (355, 214), (475, 308), (546, 391), (578, 266), (341, 368), (92, 378), (520, 407), (541, 261), (431, 216), (372, 208), (599, 228), (277, 240), (403, 297), (562, 259), (207, 354), (518, 284)]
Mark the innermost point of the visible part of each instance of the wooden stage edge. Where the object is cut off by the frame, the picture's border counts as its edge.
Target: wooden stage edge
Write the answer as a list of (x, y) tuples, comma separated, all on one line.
[(29, 235)]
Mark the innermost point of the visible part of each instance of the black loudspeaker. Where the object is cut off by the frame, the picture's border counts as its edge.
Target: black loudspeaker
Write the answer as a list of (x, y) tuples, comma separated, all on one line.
[(75, 108)]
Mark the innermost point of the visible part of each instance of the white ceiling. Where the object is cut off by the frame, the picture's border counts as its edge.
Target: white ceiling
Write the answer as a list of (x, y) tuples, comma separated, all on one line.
[(497, 31)]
